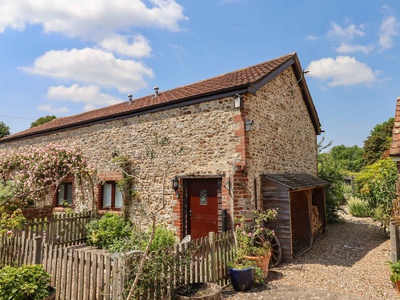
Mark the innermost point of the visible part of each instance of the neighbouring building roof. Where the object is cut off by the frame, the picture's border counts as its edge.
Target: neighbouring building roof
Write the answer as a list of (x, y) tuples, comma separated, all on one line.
[(395, 148), (249, 79), (297, 181)]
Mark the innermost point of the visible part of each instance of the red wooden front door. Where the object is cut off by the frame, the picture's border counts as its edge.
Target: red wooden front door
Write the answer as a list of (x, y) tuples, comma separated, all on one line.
[(203, 207)]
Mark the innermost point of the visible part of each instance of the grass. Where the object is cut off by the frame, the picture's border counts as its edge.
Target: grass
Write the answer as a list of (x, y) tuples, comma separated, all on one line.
[(358, 208)]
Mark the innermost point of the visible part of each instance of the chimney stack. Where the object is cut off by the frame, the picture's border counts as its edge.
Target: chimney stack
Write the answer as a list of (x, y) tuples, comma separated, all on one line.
[(130, 98), (156, 91)]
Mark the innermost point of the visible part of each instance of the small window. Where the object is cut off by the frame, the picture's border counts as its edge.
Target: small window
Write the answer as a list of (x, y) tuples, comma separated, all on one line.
[(111, 196), (64, 194)]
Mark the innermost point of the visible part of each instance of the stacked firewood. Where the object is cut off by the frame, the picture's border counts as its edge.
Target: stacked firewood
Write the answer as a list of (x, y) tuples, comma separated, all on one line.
[(316, 221)]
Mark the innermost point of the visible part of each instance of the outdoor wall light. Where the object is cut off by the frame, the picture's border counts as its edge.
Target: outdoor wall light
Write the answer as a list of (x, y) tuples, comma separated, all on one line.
[(238, 101), (175, 185)]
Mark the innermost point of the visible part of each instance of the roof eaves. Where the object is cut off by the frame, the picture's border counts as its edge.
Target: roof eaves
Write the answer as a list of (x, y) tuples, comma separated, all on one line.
[(253, 89), (126, 114), (307, 96), (298, 181)]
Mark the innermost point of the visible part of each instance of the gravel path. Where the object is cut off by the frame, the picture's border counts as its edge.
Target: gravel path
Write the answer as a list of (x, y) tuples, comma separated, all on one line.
[(350, 259)]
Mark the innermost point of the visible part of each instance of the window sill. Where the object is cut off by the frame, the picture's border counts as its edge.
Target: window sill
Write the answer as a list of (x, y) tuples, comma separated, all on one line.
[(61, 208), (114, 211)]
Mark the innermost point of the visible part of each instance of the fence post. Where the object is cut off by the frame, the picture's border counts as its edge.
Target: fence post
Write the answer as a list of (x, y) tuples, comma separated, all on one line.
[(211, 237), (37, 250)]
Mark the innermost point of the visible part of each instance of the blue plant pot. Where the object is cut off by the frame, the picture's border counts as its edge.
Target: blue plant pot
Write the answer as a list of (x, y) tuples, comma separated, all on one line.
[(241, 279)]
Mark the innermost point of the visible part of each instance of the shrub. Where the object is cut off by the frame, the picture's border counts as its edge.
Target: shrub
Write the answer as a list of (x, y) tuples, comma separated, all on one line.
[(115, 233), (109, 230), (330, 170), (376, 185), (163, 239), (359, 208), (25, 282)]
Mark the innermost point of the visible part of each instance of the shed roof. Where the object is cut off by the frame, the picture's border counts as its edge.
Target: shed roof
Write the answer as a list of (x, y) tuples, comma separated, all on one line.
[(297, 181), (395, 148), (245, 80)]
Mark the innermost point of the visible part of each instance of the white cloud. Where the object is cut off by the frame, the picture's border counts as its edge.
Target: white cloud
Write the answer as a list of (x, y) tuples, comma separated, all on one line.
[(91, 19), (345, 33), (342, 71), (120, 44), (92, 66), (311, 38), (347, 48), (53, 110), (388, 30), (90, 95)]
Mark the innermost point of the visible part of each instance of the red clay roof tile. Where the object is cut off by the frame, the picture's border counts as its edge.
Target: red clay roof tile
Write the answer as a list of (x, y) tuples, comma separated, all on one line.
[(239, 78), (395, 148)]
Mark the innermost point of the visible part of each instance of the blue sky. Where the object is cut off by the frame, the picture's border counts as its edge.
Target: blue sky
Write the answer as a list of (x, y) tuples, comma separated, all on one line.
[(65, 57)]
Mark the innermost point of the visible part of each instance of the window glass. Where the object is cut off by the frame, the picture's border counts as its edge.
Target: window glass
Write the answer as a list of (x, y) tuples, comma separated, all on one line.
[(107, 191), (118, 197), (64, 194), (69, 194), (60, 194)]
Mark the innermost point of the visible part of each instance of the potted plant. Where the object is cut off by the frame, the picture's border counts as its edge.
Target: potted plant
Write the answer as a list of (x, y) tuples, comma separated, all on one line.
[(253, 240), (253, 251), (395, 273), (241, 274), (30, 282)]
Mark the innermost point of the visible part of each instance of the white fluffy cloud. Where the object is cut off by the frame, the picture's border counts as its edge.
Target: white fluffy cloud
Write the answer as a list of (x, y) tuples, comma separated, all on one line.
[(346, 33), (92, 66), (139, 47), (388, 30), (347, 48), (91, 18), (91, 95), (112, 27), (342, 71)]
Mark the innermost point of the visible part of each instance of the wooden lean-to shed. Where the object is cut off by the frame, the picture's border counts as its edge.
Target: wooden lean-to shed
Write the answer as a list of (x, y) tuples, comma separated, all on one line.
[(300, 200)]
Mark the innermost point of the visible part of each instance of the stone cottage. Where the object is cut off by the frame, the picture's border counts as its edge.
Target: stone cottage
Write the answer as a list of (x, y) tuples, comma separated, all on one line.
[(225, 133)]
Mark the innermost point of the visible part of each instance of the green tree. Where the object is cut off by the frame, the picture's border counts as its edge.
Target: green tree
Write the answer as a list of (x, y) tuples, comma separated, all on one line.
[(4, 130), (43, 120), (349, 158), (378, 142), (376, 185), (330, 170)]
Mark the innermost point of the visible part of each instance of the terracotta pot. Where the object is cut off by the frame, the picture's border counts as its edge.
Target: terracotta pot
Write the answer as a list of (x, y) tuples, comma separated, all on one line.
[(398, 286), (261, 262)]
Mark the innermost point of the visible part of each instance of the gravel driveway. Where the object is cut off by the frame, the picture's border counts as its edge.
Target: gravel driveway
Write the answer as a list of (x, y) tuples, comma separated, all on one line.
[(350, 259)]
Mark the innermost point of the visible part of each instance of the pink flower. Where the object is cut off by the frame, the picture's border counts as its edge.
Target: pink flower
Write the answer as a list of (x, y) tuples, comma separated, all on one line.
[(9, 232), (250, 234)]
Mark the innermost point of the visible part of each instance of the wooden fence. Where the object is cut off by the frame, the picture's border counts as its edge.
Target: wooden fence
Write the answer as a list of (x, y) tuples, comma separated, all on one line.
[(79, 273), (66, 229), (85, 273), (61, 229)]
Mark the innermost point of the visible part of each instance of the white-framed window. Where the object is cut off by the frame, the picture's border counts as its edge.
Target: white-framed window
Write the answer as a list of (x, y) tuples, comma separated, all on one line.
[(111, 196), (64, 194)]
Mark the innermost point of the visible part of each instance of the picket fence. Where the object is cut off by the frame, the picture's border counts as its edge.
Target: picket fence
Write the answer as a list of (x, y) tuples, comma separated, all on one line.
[(79, 272)]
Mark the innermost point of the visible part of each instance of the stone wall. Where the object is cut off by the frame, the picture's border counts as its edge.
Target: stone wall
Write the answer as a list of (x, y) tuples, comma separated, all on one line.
[(282, 138), (202, 139)]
